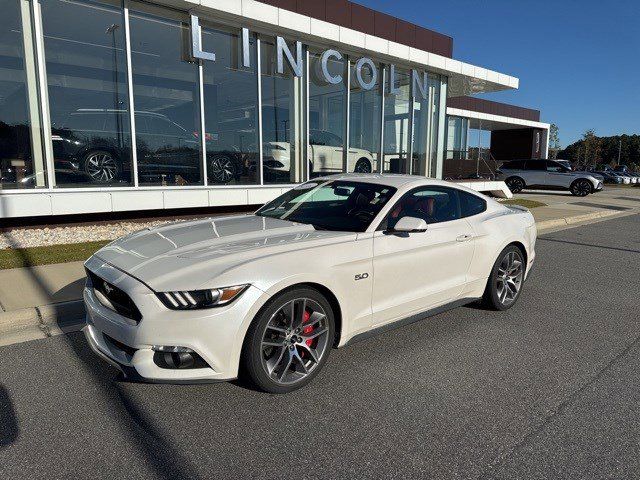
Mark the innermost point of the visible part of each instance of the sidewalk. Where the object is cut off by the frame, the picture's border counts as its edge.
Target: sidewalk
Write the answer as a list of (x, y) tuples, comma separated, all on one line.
[(42, 301)]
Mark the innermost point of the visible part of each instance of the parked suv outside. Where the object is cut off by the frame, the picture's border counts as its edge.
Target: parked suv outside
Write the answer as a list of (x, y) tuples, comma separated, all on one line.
[(547, 175)]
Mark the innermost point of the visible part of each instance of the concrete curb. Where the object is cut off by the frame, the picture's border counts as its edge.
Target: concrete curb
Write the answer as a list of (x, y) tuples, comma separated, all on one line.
[(577, 220), (41, 322)]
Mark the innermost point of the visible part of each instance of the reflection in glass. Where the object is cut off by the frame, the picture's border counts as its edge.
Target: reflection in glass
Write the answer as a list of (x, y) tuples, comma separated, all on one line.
[(166, 98), (326, 116), (282, 119), (364, 123), (396, 124), (434, 83), (21, 162), (88, 97), (231, 109), (425, 128)]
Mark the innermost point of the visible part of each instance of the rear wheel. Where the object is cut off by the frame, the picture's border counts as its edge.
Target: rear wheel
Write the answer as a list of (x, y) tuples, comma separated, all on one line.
[(362, 166), (581, 188), (289, 341), (506, 279), (515, 184)]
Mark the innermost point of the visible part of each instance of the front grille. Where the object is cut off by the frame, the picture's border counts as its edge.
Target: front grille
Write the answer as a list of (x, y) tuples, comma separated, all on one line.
[(119, 301)]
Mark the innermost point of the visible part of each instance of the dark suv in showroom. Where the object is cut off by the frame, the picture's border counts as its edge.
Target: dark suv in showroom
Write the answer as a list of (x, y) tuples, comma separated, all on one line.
[(92, 143)]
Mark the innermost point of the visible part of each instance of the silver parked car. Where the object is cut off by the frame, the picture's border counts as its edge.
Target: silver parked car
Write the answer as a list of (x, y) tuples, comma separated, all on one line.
[(547, 175)]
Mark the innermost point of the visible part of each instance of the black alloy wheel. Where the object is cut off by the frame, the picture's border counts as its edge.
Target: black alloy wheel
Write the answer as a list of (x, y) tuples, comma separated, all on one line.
[(362, 166), (581, 188), (515, 184), (101, 166), (222, 169)]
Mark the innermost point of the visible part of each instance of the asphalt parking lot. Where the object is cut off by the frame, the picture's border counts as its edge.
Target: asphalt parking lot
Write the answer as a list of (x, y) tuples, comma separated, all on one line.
[(549, 389)]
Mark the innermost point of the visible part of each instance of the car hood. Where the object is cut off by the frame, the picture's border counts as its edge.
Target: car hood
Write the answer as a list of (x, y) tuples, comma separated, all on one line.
[(189, 255)]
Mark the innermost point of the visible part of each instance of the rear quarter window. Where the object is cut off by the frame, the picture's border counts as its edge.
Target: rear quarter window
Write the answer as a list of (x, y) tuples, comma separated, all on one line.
[(471, 204)]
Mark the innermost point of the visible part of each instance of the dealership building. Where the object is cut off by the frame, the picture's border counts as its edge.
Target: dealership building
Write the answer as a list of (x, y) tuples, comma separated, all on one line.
[(108, 106)]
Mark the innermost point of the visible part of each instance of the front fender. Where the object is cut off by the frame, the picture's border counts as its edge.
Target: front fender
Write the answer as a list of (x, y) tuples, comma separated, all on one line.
[(270, 293)]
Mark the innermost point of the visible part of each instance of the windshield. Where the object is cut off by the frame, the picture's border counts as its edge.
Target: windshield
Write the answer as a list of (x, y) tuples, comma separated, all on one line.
[(331, 205)]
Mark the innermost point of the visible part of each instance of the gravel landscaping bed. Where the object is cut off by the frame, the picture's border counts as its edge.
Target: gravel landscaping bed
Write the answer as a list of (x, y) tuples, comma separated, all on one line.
[(39, 237)]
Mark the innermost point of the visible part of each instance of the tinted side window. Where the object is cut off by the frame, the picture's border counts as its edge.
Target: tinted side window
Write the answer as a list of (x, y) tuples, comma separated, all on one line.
[(515, 165), (432, 204), (536, 165), (554, 167), (471, 204)]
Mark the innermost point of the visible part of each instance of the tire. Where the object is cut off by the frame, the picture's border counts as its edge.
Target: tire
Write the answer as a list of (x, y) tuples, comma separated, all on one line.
[(276, 353), (581, 188), (102, 166), (515, 184), (222, 169), (494, 296), (362, 166)]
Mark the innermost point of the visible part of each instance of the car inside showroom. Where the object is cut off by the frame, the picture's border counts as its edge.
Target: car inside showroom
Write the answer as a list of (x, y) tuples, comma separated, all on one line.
[(141, 106)]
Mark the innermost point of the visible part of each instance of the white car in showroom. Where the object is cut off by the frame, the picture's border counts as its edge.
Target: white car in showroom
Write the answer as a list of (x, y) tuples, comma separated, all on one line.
[(325, 152), (268, 295)]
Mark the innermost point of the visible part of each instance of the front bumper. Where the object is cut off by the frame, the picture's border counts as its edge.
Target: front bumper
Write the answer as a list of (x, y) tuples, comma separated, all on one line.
[(215, 334)]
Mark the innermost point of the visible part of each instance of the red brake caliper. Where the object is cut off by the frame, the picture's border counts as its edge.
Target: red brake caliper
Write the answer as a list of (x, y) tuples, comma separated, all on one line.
[(308, 329)]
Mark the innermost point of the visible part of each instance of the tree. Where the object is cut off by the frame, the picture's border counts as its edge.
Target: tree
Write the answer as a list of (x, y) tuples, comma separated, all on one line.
[(605, 150), (592, 148), (554, 141)]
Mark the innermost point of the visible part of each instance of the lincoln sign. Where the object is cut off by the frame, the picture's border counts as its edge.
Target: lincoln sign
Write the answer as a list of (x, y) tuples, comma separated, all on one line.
[(295, 61)]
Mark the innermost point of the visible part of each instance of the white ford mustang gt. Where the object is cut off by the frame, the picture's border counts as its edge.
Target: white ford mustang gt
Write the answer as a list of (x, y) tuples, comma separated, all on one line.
[(268, 295)]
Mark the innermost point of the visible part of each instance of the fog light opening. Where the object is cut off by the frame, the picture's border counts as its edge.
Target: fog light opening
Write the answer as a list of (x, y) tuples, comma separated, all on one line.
[(177, 358)]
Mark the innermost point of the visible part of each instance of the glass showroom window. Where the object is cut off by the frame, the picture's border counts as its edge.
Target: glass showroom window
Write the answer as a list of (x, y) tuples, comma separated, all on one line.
[(364, 119), (457, 129), (282, 118), (396, 122), (231, 108), (166, 98), (88, 99), (425, 125), (21, 160), (327, 113)]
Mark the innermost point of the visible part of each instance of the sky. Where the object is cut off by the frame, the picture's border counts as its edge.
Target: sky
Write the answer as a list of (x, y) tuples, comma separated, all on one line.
[(578, 61)]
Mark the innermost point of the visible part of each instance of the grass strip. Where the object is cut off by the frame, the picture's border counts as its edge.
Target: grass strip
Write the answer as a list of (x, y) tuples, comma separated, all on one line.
[(30, 257), (523, 203)]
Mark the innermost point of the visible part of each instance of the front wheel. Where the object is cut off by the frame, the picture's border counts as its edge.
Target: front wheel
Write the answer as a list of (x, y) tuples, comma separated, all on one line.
[(222, 169), (289, 341), (581, 188), (102, 166), (506, 279)]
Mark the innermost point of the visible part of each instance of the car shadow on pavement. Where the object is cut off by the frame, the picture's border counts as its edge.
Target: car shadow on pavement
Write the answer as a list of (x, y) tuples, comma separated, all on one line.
[(627, 250), (164, 458), (8, 421)]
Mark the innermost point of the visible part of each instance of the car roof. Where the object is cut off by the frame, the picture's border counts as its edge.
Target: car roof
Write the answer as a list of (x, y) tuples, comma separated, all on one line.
[(387, 179)]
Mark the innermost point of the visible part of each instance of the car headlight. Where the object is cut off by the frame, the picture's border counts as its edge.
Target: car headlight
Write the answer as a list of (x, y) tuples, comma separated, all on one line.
[(197, 299)]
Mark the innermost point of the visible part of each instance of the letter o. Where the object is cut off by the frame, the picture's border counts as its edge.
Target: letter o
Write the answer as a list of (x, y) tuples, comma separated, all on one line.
[(374, 73)]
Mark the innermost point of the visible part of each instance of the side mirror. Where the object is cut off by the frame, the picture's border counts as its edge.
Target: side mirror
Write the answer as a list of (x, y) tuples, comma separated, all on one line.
[(410, 225)]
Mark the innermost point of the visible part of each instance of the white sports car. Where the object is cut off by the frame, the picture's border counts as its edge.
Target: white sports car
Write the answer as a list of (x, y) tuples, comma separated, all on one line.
[(268, 295)]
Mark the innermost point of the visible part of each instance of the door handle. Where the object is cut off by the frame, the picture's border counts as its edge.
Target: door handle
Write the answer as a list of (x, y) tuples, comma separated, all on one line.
[(463, 238)]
